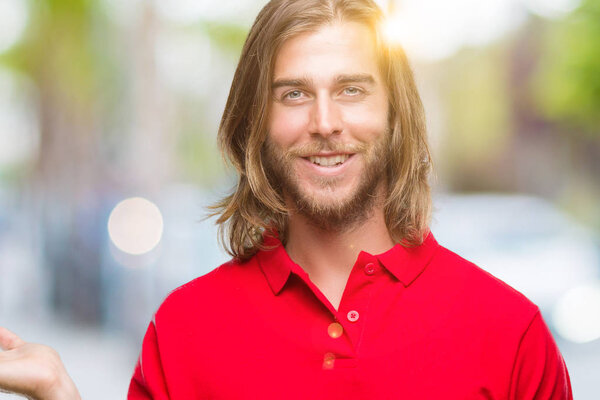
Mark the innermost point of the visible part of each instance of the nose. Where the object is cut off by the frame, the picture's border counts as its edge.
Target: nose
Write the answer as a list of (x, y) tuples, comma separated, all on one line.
[(325, 118)]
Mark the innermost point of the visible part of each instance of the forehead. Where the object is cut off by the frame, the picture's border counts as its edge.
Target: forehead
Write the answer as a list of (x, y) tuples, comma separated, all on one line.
[(328, 51)]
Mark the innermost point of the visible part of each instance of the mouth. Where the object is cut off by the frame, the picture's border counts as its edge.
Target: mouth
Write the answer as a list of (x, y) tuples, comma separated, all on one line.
[(329, 160)]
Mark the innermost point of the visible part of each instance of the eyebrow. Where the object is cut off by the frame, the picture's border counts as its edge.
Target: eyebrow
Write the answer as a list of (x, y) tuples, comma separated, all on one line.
[(340, 79), (355, 78), (302, 82)]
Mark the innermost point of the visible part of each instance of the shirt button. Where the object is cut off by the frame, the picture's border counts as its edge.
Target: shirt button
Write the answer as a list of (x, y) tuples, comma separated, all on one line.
[(328, 361), (370, 269), (352, 316), (335, 330)]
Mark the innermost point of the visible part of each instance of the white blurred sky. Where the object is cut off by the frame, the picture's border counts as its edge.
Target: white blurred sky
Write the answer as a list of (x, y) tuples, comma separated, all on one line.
[(429, 29)]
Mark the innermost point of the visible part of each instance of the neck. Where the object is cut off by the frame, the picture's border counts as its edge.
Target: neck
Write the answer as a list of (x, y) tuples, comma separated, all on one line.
[(323, 253)]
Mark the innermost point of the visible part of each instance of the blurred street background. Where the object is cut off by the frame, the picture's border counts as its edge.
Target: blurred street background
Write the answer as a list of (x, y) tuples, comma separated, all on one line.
[(108, 117)]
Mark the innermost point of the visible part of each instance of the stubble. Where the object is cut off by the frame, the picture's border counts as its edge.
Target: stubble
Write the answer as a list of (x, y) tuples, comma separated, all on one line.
[(331, 216)]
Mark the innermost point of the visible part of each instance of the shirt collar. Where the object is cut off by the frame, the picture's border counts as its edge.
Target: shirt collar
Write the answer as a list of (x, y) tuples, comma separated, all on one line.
[(275, 263), (405, 263)]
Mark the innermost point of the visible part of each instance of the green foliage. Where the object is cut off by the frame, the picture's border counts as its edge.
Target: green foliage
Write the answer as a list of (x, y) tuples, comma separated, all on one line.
[(198, 158), (58, 49), (567, 85), (477, 100), (227, 37)]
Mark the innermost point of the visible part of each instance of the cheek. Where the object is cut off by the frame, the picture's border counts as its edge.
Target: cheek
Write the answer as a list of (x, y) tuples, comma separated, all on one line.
[(368, 119), (286, 126), (367, 126)]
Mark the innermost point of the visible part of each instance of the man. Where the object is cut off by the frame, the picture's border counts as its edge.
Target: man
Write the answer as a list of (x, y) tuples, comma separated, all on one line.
[(336, 289)]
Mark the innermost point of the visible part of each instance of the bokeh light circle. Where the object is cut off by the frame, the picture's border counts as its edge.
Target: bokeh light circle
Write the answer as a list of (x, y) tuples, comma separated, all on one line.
[(576, 315), (135, 226)]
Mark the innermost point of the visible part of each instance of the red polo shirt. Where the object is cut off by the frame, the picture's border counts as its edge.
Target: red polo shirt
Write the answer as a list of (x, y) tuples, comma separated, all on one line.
[(413, 323)]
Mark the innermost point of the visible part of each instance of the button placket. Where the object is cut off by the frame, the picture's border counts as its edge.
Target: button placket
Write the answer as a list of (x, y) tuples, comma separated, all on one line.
[(351, 313)]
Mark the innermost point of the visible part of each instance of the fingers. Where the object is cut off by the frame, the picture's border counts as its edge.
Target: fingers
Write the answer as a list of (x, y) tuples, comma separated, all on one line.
[(9, 340)]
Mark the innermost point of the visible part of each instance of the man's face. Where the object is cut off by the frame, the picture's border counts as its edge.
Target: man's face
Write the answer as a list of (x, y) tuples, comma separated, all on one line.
[(328, 127)]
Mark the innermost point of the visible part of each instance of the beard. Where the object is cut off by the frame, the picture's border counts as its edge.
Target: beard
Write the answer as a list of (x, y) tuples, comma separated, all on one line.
[(338, 214)]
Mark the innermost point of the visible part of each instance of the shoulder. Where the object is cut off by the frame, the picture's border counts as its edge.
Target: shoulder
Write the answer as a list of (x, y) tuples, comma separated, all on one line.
[(478, 291), (207, 282), (208, 293)]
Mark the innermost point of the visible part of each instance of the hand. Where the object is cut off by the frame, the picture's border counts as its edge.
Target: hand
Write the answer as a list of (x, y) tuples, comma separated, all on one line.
[(33, 370)]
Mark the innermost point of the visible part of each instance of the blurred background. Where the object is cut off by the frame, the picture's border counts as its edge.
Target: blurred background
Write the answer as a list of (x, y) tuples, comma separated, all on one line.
[(108, 118)]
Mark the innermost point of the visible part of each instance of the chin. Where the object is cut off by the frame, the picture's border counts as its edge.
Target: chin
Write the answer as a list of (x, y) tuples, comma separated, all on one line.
[(330, 197), (326, 202)]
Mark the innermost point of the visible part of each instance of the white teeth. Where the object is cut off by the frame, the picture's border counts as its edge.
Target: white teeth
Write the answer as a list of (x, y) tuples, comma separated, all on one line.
[(329, 161)]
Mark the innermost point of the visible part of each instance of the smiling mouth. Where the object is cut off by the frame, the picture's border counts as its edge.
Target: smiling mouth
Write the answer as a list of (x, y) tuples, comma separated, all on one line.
[(329, 161)]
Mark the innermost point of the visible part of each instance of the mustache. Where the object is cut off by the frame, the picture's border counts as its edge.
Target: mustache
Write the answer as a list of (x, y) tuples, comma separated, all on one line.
[(317, 147)]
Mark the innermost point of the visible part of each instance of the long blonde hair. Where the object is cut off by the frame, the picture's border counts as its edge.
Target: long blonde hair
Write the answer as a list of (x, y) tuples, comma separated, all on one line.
[(255, 206)]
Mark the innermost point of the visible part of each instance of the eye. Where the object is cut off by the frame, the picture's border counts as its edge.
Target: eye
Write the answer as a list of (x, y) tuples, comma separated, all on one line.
[(294, 94), (352, 91)]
